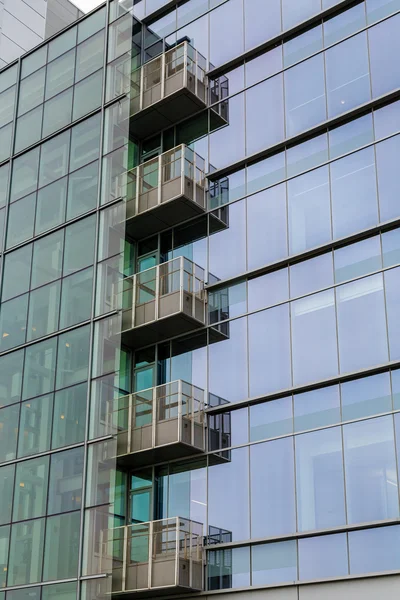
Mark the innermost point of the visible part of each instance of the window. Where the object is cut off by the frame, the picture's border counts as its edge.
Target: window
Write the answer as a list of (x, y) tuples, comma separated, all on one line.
[(85, 144), (73, 357), (69, 416), (17, 270), (47, 257), (269, 350), (305, 95), (384, 46), (273, 510), (35, 425), (274, 563), (60, 74), (348, 81), (26, 552), (54, 158), (9, 418), (88, 95), (11, 377), (21, 219), (61, 547), (371, 475), (65, 487), (361, 324), (25, 174), (228, 495), (79, 245), (314, 343), (50, 209), (309, 210), (354, 197), (266, 227), (264, 115), (82, 190), (44, 305), (39, 368), (30, 489), (323, 557), (6, 491), (320, 480)]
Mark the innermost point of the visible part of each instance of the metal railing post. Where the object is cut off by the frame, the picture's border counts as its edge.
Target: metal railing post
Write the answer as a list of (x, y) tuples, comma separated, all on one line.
[(157, 293), (159, 178), (130, 424), (141, 89), (138, 187), (154, 420), (180, 420), (150, 551), (125, 558), (177, 557), (134, 298)]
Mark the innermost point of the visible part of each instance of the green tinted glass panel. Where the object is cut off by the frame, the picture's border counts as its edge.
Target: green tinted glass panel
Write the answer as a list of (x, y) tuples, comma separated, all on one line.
[(13, 315), (44, 306), (79, 245), (21, 218), (82, 190), (11, 377), (47, 257), (60, 591), (17, 269), (26, 552), (57, 112), (73, 357), (51, 205), (76, 296), (28, 129), (61, 547), (6, 491), (69, 416), (35, 425), (65, 488), (4, 542), (31, 479), (39, 370), (25, 174), (87, 95)]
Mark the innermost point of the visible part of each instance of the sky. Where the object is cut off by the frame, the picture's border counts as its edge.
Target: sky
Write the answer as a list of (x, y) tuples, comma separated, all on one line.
[(87, 5)]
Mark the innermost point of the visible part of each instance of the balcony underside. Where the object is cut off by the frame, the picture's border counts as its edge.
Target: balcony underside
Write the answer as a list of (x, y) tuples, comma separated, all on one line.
[(155, 592), (160, 330), (160, 454), (168, 111), (164, 215)]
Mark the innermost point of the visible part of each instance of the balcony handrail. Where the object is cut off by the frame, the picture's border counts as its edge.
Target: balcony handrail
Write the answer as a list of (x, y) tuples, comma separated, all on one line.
[(162, 171), (122, 420), (162, 537), (158, 279), (191, 60)]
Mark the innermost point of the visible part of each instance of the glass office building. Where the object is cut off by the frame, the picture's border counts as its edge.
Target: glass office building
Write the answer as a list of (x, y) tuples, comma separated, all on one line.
[(200, 304)]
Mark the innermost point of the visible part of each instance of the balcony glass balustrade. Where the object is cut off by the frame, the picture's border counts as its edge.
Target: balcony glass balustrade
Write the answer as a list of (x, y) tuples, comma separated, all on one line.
[(163, 191), (168, 89), (154, 558), (160, 423), (160, 303)]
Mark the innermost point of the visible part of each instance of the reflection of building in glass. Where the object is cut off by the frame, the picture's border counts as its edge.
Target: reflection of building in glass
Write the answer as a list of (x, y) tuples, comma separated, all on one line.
[(199, 310)]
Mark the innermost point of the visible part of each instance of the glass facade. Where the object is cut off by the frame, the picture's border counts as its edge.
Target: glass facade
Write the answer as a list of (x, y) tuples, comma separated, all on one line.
[(199, 310)]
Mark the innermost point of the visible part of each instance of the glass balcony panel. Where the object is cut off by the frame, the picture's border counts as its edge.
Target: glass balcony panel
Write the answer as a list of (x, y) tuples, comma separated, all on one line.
[(162, 556)]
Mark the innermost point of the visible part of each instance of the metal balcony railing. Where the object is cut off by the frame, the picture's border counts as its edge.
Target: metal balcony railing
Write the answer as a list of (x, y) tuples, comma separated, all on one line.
[(160, 423), (163, 191), (161, 302), (157, 557)]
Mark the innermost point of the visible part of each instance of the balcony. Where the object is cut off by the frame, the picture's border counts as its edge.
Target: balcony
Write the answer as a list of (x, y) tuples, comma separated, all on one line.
[(163, 192), (154, 558), (161, 302), (158, 424), (172, 87)]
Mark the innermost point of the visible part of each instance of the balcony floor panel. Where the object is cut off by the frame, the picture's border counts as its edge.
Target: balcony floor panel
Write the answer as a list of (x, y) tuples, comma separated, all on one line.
[(157, 455), (167, 214), (160, 330), (166, 112)]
